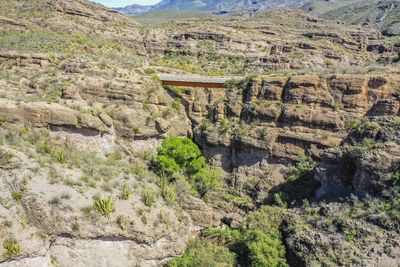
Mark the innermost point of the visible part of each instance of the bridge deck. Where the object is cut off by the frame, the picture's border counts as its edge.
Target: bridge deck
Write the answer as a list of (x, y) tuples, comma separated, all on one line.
[(194, 80)]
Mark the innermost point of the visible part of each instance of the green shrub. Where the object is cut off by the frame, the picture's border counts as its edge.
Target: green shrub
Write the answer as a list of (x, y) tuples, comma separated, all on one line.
[(174, 89), (166, 165), (149, 196), (53, 94), (115, 156), (23, 130), (169, 194), (104, 206), (206, 179), (240, 86), (139, 169), (146, 104), (179, 153), (302, 168), (168, 191), (224, 235), (362, 125), (350, 234), (155, 78), (12, 247), (24, 222), (16, 195), (57, 153), (336, 107), (258, 240), (204, 124), (280, 199), (5, 157), (263, 240), (244, 202), (202, 253), (352, 124), (182, 150), (265, 249), (183, 154), (196, 165), (176, 105), (369, 144), (126, 192)]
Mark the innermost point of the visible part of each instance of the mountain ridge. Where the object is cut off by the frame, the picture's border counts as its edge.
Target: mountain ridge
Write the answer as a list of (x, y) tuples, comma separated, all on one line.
[(384, 15), (218, 7)]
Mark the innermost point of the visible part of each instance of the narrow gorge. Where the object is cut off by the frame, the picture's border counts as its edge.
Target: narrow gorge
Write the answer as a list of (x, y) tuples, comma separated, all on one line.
[(295, 162)]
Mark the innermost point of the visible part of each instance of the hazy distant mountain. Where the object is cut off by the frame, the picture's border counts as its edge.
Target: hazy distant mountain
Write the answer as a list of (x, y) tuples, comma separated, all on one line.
[(133, 9), (318, 7), (216, 6), (383, 14)]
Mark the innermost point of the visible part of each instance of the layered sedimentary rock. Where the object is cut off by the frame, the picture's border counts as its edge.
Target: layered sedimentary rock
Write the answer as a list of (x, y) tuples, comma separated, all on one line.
[(80, 119), (299, 41), (264, 125)]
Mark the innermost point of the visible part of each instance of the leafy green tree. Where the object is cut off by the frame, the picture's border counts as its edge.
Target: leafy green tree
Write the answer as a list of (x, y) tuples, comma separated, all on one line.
[(182, 150), (177, 153), (166, 165)]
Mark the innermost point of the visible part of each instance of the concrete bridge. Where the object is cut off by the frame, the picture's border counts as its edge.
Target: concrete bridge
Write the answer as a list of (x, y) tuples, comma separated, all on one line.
[(194, 80)]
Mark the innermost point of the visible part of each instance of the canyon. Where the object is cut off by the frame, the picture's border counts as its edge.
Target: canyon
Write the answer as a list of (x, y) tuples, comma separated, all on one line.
[(309, 134)]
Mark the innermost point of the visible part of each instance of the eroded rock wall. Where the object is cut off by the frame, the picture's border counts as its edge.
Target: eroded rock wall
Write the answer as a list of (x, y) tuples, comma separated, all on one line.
[(261, 127)]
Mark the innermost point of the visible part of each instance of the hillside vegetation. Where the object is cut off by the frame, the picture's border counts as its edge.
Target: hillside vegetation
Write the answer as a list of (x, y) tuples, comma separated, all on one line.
[(163, 16), (383, 14), (294, 163)]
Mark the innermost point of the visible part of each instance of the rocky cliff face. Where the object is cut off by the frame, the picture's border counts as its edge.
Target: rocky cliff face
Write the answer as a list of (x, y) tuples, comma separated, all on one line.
[(259, 128), (256, 45), (87, 116), (80, 118), (76, 127), (367, 164)]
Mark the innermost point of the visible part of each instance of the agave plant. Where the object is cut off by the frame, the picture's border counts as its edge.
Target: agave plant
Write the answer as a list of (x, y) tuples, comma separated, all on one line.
[(12, 247), (104, 206)]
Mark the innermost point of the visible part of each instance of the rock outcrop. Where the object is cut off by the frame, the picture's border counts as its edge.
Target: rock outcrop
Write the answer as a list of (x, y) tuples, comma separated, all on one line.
[(82, 111), (259, 45), (264, 125), (365, 165)]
